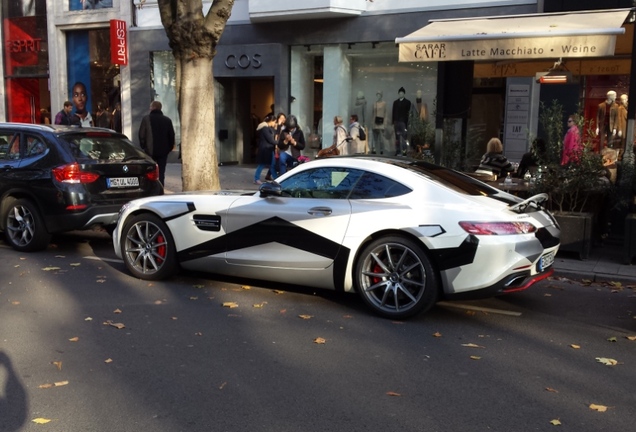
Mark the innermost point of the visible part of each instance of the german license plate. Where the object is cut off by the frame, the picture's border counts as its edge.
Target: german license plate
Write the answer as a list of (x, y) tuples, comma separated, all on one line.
[(546, 261), (122, 182)]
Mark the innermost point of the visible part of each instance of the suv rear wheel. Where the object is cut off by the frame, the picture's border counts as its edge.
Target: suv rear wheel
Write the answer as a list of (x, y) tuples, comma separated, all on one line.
[(24, 227)]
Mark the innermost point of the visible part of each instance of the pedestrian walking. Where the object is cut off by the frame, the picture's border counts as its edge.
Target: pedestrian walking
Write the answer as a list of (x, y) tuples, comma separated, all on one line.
[(64, 116), (156, 137), (266, 146)]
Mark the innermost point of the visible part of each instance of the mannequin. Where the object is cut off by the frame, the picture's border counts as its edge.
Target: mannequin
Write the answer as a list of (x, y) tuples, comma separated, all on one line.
[(400, 116), (621, 121), (422, 108), (361, 108), (379, 116), (607, 120)]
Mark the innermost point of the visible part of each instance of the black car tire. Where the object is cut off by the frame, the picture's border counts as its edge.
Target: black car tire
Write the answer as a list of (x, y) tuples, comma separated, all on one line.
[(395, 278), (24, 227), (148, 248)]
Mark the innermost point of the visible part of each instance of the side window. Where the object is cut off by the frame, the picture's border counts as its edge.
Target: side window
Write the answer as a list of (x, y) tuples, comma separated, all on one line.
[(333, 183), (35, 146), (374, 186), (9, 146)]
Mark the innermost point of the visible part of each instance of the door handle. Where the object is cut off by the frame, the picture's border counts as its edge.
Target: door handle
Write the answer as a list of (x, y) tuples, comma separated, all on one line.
[(317, 211)]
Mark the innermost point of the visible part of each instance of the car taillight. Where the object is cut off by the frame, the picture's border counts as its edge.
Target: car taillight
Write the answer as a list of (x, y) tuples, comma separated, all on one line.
[(72, 173), (497, 228), (154, 174)]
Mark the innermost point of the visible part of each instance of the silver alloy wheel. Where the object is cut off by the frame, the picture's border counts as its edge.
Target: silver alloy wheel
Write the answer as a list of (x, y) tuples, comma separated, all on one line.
[(21, 225), (393, 278), (146, 247)]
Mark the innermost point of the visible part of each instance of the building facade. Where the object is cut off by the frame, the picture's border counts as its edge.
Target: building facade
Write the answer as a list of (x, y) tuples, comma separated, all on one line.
[(314, 60)]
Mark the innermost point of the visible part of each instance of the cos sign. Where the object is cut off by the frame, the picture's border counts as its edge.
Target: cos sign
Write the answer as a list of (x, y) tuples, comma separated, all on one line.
[(243, 61)]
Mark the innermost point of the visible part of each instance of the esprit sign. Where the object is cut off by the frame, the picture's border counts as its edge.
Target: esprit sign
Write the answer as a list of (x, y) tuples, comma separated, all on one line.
[(23, 45), (510, 49), (118, 42)]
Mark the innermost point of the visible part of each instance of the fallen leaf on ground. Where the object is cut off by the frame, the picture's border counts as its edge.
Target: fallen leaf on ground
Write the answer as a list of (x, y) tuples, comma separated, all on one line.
[(117, 311), (437, 334), (222, 385), (74, 339), (41, 420), (60, 256), (475, 358), (599, 408), (616, 284), (57, 364), (246, 287), (116, 325), (75, 264), (198, 334), (393, 394), (631, 338), (198, 286), (305, 317), (45, 386), (278, 292), (174, 318), (555, 422), (100, 280), (56, 384), (60, 383), (551, 390), (586, 281), (612, 339), (108, 360), (194, 298), (230, 305), (259, 305), (547, 295), (472, 345), (50, 268), (88, 319), (320, 340), (575, 346), (607, 361), (15, 303)]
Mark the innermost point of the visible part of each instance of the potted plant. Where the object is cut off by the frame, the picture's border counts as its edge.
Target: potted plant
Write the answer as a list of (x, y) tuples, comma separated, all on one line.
[(576, 190)]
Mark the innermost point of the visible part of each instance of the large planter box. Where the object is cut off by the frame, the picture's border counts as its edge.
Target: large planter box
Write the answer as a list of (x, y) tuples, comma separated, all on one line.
[(576, 232)]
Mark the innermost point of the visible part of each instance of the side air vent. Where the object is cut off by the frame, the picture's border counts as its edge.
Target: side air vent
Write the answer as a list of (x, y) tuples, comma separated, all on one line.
[(207, 223)]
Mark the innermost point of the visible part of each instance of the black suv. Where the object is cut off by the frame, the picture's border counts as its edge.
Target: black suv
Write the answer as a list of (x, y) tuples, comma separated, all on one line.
[(64, 178)]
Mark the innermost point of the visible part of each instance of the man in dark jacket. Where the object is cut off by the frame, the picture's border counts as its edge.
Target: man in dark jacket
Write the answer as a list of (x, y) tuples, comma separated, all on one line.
[(156, 137), (64, 116)]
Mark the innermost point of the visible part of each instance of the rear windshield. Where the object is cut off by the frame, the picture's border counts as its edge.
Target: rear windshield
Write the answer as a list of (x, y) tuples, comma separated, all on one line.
[(452, 179), (101, 146)]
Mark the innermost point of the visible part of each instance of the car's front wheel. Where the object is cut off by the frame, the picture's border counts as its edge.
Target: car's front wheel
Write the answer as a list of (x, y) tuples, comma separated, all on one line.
[(395, 278), (148, 247), (24, 227)]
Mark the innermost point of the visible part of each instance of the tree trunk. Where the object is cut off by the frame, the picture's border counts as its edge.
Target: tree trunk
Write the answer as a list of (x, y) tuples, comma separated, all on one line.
[(200, 169), (193, 38)]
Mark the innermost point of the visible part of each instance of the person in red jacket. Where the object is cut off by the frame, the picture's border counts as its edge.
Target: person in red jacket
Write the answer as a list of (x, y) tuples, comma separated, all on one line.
[(572, 142)]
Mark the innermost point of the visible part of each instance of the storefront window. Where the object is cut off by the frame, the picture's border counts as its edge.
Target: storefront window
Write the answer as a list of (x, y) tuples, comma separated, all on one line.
[(365, 80), (163, 84), (89, 4), (91, 72), (25, 53)]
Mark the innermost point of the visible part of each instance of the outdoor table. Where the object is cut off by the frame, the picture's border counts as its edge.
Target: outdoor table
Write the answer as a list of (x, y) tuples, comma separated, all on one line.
[(519, 187)]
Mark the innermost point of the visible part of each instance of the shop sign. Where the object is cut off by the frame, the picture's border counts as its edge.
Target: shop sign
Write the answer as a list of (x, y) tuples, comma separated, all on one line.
[(118, 42), (23, 45), (243, 61), (509, 49)]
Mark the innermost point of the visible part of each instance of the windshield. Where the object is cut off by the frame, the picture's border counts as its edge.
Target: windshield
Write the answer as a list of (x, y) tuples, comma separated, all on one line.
[(101, 146)]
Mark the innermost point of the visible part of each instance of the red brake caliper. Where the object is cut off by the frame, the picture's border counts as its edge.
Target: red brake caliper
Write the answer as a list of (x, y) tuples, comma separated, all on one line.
[(161, 250)]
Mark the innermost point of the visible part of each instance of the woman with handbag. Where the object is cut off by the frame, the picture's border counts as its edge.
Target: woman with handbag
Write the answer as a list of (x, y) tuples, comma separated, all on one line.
[(340, 136)]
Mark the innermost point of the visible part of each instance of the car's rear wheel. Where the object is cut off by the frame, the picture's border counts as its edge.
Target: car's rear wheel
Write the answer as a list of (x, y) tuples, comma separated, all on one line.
[(24, 227), (148, 247), (395, 278)]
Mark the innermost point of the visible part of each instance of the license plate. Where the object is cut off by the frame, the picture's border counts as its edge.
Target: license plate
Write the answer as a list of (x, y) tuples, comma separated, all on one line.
[(122, 182), (546, 261)]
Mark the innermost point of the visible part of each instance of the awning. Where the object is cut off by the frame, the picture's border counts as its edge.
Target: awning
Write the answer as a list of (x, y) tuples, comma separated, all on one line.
[(535, 36)]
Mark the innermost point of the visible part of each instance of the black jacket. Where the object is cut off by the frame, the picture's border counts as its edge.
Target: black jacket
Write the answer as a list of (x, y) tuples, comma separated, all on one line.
[(266, 144), (299, 137), (156, 134)]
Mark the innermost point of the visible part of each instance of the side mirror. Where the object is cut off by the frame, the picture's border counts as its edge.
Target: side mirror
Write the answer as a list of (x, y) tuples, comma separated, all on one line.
[(270, 189)]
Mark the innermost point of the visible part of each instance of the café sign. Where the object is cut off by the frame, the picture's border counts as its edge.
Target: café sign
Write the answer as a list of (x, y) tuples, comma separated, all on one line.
[(509, 49)]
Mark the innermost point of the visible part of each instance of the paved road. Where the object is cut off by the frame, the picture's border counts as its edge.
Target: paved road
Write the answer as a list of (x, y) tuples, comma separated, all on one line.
[(183, 362)]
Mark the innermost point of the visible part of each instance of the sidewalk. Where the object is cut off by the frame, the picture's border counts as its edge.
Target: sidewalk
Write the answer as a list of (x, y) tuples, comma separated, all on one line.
[(606, 263)]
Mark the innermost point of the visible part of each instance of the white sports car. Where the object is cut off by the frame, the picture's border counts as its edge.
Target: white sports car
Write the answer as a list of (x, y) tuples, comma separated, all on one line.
[(402, 233)]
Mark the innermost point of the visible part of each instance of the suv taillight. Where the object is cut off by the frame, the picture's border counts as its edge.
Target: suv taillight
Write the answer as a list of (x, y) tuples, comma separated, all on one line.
[(72, 173), (154, 174)]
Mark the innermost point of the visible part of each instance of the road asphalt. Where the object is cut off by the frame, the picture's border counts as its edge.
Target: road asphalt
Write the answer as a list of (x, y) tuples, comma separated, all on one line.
[(606, 263)]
